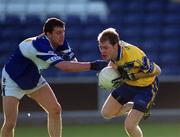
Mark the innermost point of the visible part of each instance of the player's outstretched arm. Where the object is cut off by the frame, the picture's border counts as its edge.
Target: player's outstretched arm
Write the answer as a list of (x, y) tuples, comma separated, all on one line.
[(73, 66)]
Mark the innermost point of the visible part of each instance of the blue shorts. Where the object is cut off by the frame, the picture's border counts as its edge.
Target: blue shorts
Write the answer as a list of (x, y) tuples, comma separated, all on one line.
[(143, 97)]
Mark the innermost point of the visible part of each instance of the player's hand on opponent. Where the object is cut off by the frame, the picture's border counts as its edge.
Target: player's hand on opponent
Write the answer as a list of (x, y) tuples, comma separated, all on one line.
[(98, 65)]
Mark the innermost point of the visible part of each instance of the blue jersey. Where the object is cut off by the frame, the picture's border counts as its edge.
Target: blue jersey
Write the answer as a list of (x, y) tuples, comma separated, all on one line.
[(31, 57)]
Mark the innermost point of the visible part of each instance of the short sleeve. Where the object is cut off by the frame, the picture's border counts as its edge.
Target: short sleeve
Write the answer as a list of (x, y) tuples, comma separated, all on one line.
[(147, 66), (65, 51), (50, 57)]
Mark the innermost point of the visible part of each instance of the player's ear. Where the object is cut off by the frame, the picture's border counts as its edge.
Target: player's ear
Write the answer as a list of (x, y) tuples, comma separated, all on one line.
[(48, 34), (116, 45)]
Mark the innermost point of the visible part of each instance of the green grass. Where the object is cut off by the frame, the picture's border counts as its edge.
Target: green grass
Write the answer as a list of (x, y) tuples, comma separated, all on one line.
[(107, 130)]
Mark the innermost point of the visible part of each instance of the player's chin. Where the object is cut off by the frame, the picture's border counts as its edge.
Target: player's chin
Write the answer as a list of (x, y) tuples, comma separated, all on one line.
[(105, 57), (60, 43)]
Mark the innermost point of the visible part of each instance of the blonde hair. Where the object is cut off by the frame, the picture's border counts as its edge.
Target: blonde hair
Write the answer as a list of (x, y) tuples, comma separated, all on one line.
[(110, 35)]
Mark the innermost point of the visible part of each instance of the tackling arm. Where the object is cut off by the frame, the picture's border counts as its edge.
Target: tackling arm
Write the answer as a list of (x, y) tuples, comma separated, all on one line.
[(73, 66)]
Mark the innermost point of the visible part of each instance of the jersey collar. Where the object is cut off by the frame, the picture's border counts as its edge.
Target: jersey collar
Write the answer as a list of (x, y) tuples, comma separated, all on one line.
[(49, 42), (119, 52)]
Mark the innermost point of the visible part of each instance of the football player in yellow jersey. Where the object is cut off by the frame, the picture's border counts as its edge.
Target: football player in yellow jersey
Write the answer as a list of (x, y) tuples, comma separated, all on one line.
[(137, 86)]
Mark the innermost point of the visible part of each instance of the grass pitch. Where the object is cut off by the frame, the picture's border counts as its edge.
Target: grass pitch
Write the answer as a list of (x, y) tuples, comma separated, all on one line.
[(106, 130)]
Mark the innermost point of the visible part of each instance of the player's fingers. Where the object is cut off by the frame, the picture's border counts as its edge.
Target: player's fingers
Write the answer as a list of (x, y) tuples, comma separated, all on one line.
[(117, 80), (116, 85)]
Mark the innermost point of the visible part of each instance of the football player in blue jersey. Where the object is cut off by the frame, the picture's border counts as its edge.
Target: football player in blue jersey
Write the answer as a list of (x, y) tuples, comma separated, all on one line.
[(21, 75), (137, 86)]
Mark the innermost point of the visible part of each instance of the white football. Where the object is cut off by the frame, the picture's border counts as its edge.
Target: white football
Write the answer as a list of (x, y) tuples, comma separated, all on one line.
[(106, 76)]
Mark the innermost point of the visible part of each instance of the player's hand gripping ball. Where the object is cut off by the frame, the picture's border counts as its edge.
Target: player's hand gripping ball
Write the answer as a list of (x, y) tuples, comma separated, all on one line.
[(106, 76)]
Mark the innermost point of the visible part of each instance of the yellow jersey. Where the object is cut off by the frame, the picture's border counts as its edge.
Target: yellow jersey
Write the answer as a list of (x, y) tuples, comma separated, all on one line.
[(130, 53)]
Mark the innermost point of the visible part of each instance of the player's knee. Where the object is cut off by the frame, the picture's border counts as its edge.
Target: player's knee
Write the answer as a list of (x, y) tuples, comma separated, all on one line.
[(106, 115), (55, 110), (9, 125), (129, 125)]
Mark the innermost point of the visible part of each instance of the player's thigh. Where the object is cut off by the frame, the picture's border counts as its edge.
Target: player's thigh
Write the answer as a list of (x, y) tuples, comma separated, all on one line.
[(133, 118), (10, 108), (111, 105), (117, 99), (46, 98)]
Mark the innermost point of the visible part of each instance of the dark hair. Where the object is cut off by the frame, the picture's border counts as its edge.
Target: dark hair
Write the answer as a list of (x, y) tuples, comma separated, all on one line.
[(51, 23), (110, 35)]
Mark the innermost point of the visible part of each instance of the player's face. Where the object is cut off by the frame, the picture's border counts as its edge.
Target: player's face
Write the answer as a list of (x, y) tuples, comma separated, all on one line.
[(57, 36), (107, 50)]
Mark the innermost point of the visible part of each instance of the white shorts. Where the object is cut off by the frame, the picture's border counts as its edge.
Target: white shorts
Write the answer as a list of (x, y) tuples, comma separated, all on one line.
[(10, 88)]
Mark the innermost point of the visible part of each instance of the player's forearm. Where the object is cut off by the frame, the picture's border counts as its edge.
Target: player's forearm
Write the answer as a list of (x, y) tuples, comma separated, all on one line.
[(156, 72), (142, 75), (73, 66)]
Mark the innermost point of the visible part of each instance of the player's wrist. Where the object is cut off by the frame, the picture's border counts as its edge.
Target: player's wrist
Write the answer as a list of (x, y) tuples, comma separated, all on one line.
[(98, 65), (92, 65)]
